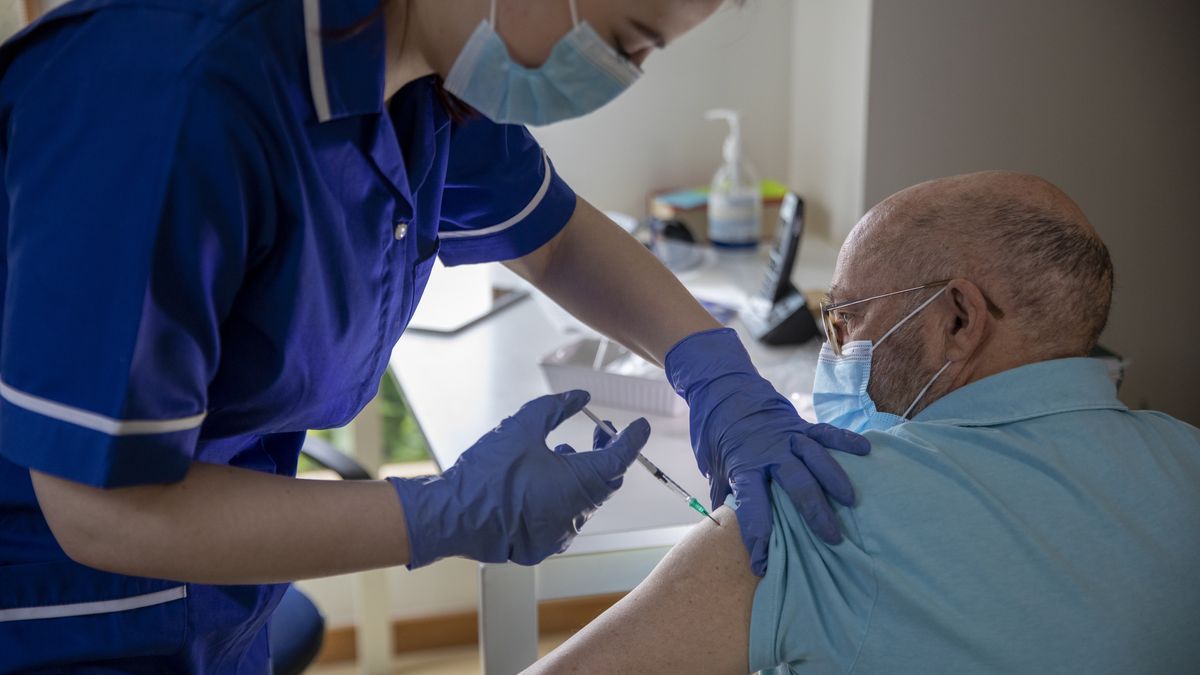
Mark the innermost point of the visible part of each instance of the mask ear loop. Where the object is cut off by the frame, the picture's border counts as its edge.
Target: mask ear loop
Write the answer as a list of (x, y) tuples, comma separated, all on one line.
[(492, 15), (910, 315), (574, 15), (925, 390)]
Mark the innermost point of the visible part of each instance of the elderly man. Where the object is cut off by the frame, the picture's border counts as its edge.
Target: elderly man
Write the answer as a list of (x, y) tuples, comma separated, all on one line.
[(1013, 517)]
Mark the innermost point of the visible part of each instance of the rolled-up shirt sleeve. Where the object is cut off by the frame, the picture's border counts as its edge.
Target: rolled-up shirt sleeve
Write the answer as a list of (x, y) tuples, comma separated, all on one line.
[(503, 198), (812, 607), (126, 245)]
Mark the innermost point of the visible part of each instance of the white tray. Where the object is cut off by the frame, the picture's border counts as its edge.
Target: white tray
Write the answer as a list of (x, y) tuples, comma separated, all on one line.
[(613, 375)]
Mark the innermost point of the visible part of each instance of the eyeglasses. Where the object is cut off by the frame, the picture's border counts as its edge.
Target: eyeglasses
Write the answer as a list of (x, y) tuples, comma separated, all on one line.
[(835, 330)]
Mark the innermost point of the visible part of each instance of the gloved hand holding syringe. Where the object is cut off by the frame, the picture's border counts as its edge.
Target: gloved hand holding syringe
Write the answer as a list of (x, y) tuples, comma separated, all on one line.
[(654, 470)]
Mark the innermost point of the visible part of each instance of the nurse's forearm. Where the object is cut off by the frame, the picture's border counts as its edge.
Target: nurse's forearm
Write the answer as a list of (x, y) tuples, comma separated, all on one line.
[(603, 276), (225, 525)]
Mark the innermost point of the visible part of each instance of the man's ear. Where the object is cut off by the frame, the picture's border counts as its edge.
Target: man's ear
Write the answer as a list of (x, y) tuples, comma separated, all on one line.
[(968, 324)]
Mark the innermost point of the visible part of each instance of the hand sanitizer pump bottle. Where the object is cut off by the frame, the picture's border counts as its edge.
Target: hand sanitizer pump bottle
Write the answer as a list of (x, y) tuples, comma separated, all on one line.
[(735, 200)]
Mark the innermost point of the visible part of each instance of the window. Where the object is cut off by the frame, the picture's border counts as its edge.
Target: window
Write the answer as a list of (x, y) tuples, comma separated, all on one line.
[(402, 437)]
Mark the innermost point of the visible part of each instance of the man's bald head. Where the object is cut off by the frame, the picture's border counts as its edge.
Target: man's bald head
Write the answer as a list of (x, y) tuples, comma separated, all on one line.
[(1022, 240)]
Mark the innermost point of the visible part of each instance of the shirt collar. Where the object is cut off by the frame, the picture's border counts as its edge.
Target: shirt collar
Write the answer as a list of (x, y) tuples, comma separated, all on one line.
[(1033, 390), (345, 73)]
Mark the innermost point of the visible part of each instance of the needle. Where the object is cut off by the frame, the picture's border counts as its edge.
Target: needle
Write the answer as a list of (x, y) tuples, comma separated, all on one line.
[(657, 472)]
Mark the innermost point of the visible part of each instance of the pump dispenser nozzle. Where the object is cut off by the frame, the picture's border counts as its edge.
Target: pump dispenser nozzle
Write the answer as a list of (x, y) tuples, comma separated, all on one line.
[(732, 150), (735, 198)]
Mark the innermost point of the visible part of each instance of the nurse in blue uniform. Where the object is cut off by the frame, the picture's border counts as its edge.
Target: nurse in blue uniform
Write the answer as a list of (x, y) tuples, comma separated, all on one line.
[(217, 219)]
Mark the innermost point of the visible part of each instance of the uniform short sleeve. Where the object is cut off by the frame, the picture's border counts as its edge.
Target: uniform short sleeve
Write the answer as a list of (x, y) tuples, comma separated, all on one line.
[(126, 236), (813, 604), (502, 197)]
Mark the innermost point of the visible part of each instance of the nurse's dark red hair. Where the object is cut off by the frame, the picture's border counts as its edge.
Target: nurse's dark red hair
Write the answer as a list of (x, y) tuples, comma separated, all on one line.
[(454, 106)]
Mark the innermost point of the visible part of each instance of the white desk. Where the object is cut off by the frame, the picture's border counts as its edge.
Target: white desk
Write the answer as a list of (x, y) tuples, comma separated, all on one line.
[(460, 386)]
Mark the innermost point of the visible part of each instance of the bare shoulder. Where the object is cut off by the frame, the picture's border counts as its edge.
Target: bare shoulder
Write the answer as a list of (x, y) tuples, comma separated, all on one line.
[(692, 614)]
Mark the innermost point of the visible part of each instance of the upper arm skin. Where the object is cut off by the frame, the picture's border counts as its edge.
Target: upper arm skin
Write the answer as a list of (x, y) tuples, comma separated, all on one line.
[(691, 615), (532, 266)]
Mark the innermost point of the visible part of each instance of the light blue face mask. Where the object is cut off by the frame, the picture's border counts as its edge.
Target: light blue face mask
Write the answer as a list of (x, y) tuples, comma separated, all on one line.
[(840, 393), (582, 74)]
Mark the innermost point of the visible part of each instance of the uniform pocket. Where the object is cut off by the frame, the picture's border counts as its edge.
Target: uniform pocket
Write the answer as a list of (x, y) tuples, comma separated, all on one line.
[(59, 613), (417, 276)]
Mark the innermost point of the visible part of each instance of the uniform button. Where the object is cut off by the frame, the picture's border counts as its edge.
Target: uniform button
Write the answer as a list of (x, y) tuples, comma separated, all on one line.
[(400, 231)]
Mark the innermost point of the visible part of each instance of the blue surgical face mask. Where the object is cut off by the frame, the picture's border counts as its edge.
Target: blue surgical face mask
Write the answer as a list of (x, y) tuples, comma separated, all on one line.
[(582, 74), (840, 393)]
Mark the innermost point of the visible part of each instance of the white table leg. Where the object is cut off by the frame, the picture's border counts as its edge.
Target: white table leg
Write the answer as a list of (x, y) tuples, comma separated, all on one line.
[(508, 630), (372, 616)]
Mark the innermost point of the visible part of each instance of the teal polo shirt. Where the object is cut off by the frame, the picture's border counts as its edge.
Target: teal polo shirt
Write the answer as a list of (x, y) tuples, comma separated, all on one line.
[(1025, 523)]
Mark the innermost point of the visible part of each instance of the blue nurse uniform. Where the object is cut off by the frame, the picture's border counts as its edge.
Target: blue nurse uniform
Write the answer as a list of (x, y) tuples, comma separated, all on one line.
[(215, 229)]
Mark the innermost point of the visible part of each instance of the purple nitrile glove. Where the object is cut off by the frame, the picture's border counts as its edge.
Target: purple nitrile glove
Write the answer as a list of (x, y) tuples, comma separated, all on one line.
[(744, 434), (509, 497)]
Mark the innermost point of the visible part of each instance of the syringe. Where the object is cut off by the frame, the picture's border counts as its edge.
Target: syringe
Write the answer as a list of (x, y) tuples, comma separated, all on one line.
[(655, 471)]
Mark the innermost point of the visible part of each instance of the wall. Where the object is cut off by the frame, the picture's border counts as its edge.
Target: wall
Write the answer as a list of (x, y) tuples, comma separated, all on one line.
[(655, 135), (829, 84), (12, 18), (1102, 97)]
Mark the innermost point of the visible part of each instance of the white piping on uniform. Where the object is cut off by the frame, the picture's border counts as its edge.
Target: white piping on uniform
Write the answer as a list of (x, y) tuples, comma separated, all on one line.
[(94, 421), (96, 607), (533, 204), (316, 60)]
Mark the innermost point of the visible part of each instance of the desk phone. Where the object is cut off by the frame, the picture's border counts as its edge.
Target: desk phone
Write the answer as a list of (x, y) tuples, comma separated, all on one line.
[(778, 314)]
